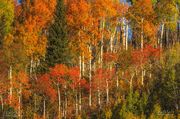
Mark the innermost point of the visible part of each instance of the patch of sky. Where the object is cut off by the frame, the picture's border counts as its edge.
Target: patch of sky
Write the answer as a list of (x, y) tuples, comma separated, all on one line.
[(19, 1)]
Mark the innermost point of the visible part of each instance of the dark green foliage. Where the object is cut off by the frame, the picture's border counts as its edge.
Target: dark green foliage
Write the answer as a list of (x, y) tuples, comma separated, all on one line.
[(165, 90), (57, 49), (115, 111), (8, 113), (136, 103), (133, 106)]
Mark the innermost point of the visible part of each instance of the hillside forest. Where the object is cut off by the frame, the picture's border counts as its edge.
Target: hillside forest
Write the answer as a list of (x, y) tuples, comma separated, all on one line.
[(90, 59)]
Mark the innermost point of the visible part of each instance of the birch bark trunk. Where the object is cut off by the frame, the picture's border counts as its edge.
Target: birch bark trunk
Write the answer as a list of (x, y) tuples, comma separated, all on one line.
[(101, 59), (59, 102), (142, 77), (123, 34), (19, 108), (11, 83), (80, 67), (111, 39), (31, 67), (131, 83), (44, 106), (2, 103), (65, 108), (142, 47), (127, 27), (142, 37), (117, 82), (76, 105), (162, 33), (83, 65), (107, 91), (90, 77)]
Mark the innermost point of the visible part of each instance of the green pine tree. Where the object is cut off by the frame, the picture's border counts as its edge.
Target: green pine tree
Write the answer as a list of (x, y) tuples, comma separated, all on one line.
[(57, 49)]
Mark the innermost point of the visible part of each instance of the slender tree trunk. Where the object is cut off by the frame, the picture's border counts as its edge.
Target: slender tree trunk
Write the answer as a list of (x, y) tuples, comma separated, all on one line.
[(150, 74), (65, 108), (76, 103), (98, 87), (102, 42), (80, 67), (107, 91), (162, 33), (31, 67), (99, 95), (11, 83), (101, 60), (142, 47), (112, 39), (124, 34), (142, 77), (2, 103), (110, 66), (90, 77), (111, 43), (101, 57), (167, 37), (178, 32), (19, 108), (83, 65), (59, 103), (44, 106), (143, 72), (142, 32), (35, 103), (127, 27), (107, 83), (117, 82), (131, 82)]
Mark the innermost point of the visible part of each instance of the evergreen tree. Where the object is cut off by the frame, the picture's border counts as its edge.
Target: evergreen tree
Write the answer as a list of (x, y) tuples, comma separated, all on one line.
[(57, 49)]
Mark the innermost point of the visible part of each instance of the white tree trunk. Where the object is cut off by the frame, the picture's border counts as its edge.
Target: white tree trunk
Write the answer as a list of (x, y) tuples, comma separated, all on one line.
[(19, 108), (44, 106), (35, 103), (76, 103), (162, 32), (59, 102), (102, 42), (142, 37), (80, 67), (90, 77), (2, 103), (142, 77), (117, 82), (99, 96), (127, 27), (131, 82), (11, 83), (83, 65), (112, 38), (101, 60), (65, 112), (123, 33), (98, 86), (107, 91), (31, 67), (150, 74)]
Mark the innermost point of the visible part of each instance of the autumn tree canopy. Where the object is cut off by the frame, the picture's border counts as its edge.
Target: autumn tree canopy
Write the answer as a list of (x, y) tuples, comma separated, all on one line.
[(99, 59)]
